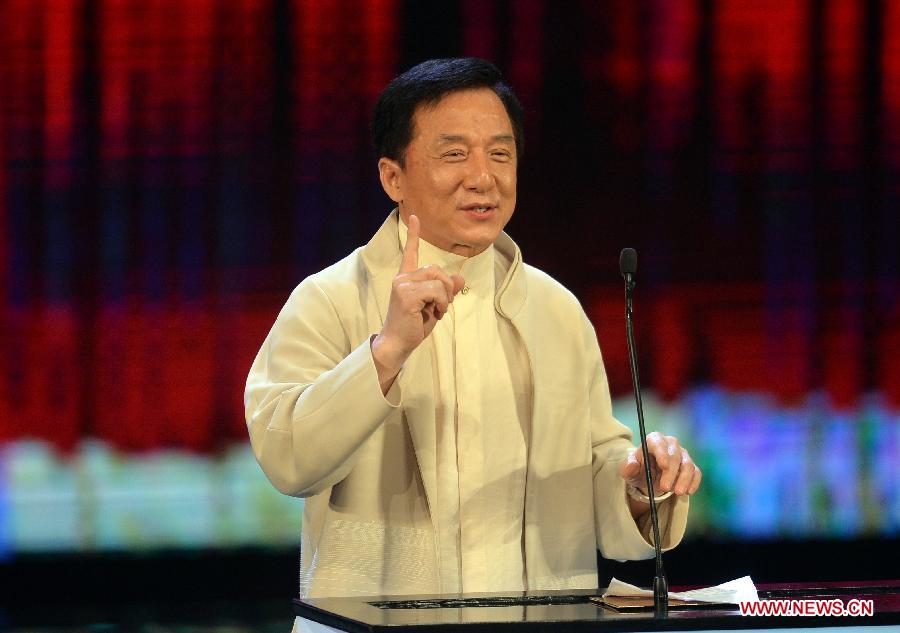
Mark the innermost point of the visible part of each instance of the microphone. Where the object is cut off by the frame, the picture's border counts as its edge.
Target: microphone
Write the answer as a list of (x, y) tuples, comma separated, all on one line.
[(628, 265), (628, 268)]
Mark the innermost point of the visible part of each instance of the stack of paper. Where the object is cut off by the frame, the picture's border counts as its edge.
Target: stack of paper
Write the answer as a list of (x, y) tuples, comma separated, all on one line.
[(620, 595)]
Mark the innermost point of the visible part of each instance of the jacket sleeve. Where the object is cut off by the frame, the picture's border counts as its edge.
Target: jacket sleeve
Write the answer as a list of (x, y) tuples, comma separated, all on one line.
[(618, 535), (311, 400)]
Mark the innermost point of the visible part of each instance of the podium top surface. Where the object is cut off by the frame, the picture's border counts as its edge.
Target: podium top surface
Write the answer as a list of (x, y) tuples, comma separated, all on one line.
[(573, 611)]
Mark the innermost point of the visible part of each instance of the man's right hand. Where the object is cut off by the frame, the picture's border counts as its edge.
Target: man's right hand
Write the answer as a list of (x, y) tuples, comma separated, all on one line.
[(420, 297)]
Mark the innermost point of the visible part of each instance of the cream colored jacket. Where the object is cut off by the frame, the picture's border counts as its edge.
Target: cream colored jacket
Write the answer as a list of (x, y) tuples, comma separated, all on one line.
[(321, 429)]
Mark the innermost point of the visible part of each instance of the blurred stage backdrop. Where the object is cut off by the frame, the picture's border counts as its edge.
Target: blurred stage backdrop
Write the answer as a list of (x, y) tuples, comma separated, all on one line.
[(170, 169)]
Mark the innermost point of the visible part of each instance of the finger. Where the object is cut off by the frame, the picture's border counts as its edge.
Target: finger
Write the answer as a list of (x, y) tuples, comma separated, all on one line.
[(410, 260), (695, 481), (430, 291), (667, 455), (630, 468), (458, 284), (658, 446), (637, 473), (415, 296), (685, 474), (431, 271), (672, 456)]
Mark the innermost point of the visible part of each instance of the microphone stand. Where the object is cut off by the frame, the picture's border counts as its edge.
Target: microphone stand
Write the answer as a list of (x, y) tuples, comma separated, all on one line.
[(660, 584)]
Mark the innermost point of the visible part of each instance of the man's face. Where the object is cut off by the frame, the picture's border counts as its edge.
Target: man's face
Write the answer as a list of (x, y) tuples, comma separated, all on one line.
[(460, 172)]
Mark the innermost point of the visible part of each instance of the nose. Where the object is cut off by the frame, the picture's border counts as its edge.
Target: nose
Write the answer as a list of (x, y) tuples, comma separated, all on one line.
[(478, 173)]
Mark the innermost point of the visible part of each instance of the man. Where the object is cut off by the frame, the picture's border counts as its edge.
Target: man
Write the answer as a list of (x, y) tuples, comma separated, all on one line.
[(442, 406)]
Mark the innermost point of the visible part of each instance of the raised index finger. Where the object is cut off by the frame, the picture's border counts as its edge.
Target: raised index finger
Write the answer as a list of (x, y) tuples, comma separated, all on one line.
[(410, 260)]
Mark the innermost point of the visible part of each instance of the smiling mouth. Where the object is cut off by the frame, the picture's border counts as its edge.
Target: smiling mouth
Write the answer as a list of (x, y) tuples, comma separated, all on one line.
[(479, 210)]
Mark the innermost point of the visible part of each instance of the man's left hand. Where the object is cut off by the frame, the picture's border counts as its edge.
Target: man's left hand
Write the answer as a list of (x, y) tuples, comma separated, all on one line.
[(671, 466)]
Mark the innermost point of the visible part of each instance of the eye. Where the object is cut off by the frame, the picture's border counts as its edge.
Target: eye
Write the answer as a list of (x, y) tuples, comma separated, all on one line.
[(454, 154), (501, 155)]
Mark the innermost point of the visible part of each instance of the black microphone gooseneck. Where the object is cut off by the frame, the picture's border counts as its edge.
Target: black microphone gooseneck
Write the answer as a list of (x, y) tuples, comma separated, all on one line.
[(628, 267)]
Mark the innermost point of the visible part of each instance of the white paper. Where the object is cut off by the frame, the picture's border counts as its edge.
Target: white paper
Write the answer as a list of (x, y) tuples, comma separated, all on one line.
[(732, 592)]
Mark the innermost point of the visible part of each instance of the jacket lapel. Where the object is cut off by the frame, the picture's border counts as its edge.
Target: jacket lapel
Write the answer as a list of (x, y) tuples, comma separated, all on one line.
[(510, 301), (382, 257), (417, 387), (534, 568)]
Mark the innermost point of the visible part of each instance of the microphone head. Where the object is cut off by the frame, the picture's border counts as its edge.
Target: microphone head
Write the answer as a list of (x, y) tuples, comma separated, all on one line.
[(628, 262)]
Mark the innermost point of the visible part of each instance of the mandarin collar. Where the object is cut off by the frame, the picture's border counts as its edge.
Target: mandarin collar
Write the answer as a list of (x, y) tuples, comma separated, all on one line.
[(383, 253), (477, 270)]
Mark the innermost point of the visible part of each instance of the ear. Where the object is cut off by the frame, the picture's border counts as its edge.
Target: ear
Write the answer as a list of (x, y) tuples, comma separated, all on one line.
[(391, 174)]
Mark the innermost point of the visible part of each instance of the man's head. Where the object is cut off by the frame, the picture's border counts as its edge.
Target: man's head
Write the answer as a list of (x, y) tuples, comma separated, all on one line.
[(449, 135)]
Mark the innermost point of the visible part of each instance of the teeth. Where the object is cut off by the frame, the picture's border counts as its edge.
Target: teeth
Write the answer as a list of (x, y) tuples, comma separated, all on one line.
[(480, 209)]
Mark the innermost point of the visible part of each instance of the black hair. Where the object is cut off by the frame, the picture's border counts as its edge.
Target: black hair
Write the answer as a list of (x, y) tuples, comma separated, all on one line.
[(426, 84)]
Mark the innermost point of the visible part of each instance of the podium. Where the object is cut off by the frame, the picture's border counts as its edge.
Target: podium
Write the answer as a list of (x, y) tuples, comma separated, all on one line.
[(547, 611)]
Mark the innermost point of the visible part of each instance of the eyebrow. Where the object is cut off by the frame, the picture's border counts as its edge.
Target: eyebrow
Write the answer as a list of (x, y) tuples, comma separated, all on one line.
[(459, 138)]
